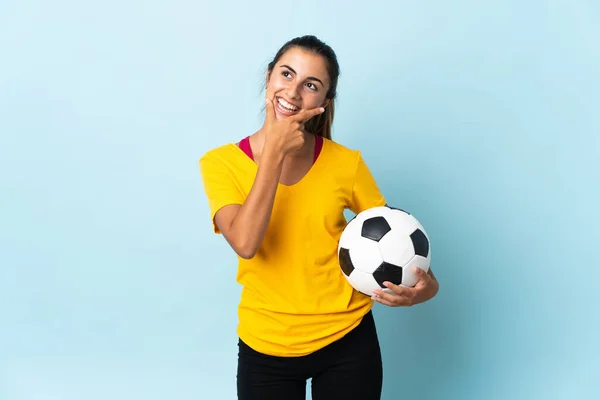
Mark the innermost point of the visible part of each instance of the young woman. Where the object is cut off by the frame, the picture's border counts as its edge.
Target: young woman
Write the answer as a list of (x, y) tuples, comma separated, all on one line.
[(278, 198)]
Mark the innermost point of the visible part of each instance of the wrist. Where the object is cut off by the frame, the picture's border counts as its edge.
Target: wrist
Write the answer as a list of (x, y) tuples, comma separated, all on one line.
[(273, 153)]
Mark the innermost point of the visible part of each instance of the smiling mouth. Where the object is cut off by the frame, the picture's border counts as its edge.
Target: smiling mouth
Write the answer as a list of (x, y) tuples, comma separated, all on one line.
[(286, 107)]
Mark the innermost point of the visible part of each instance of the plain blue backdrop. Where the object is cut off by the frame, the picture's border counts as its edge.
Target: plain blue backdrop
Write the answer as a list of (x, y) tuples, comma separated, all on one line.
[(481, 118)]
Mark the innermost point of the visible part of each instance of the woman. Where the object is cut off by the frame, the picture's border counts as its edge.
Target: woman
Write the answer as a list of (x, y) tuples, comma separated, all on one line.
[(278, 198)]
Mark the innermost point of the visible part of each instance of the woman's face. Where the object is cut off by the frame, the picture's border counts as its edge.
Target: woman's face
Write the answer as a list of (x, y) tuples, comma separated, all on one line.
[(299, 81)]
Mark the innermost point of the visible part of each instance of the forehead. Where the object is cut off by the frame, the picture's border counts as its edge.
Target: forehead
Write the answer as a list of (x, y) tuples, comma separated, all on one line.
[(305, 63)]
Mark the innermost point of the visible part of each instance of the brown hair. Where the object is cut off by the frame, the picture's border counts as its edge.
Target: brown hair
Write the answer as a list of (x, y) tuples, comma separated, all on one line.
[(321, 124)]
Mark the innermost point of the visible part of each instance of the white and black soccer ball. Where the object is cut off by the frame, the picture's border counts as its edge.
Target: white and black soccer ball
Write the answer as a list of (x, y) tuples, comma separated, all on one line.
[(383, 244)]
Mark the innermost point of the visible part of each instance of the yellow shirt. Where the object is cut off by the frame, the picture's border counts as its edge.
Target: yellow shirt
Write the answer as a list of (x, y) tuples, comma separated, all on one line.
[(295, 299)]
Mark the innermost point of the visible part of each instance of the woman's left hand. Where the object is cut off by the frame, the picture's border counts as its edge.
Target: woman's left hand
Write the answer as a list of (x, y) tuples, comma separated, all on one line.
[(425, 288)]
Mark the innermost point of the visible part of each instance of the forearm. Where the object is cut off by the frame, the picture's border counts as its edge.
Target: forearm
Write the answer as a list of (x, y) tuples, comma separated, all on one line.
[(252, 220)]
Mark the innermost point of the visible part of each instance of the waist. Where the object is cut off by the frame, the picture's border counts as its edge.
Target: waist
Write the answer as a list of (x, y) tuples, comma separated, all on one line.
[(299, 330)]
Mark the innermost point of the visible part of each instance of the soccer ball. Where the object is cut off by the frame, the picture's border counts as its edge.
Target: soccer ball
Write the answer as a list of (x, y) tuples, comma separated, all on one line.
[(383, 244)]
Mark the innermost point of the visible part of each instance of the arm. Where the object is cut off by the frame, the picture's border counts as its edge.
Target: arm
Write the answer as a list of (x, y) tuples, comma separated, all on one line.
[(244, 226)]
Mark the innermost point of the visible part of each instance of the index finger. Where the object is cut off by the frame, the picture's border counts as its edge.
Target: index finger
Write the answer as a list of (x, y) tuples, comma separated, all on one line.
[(308, 114), (399, 290)]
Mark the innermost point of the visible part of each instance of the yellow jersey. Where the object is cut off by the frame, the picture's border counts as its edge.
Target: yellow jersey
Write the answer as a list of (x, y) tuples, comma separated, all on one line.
[(295, 299)]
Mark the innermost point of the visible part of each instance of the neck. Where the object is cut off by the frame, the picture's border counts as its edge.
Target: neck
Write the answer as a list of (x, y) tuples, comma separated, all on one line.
[(307, 147)]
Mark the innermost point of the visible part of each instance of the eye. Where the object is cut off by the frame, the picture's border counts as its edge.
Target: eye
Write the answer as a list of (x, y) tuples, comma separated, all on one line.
[(287, 74), (312, 86)]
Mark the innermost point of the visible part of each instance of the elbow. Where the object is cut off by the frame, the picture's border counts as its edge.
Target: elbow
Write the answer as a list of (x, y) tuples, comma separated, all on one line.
[(246, 251), (245, 254), (243, 245)]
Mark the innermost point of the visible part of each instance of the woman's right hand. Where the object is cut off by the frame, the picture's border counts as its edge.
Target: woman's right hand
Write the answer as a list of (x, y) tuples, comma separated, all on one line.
[(288, 134)]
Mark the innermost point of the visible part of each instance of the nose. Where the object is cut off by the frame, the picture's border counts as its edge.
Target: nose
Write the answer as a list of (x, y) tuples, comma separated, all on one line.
[(293, 91)]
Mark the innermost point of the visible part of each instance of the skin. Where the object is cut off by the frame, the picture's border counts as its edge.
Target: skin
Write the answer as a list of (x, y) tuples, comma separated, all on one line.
[(284, 153), (426, 288), (281, 148), (299, 78)]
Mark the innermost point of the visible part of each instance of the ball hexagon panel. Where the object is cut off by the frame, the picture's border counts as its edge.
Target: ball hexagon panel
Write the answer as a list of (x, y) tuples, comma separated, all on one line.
[(365, 255), (363, 282), (408, 277), (402, 222), (350, 233), (396, 248), (398, 209)]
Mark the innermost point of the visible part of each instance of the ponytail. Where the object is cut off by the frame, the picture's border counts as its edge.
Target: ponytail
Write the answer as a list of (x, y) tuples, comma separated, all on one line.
[(321, 125)]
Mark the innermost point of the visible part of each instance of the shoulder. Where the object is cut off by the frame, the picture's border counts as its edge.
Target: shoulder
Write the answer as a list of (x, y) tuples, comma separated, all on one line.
[(220, 152), (342, 151), (221, 159), (342, 155), (225, 154)]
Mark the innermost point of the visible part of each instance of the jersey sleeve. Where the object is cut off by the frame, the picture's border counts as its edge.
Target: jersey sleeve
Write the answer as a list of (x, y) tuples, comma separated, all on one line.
[(365, 192), (219, 186)]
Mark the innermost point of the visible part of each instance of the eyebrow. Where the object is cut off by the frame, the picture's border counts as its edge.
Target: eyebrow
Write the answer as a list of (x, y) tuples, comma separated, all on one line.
[(311, 78)]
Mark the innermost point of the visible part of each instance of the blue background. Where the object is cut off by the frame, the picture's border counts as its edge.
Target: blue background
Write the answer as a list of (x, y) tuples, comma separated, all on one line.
[(481, 118)]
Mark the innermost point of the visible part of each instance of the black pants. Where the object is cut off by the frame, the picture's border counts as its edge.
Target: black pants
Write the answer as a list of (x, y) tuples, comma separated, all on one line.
[(348, 369)]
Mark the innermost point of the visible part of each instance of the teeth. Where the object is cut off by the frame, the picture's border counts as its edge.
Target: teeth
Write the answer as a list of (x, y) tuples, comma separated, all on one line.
[(286, 105)]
